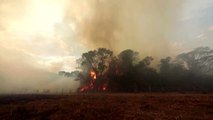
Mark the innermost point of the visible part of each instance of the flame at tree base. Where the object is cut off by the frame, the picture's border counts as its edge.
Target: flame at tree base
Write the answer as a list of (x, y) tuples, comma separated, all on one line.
[(93, 86)]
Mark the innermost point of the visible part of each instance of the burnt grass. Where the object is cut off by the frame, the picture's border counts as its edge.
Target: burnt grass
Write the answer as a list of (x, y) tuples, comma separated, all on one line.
[(143, 106)]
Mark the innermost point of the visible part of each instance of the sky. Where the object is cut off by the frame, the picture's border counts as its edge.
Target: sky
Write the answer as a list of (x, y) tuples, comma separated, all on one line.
[(38, 38), (194, 27)]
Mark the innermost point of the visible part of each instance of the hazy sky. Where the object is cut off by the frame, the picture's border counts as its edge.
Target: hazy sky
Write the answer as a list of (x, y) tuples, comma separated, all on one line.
[(42, 37), (194, 27)]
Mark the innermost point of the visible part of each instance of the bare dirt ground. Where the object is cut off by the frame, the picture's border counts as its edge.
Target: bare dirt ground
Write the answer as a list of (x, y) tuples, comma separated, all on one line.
[(145, 106)]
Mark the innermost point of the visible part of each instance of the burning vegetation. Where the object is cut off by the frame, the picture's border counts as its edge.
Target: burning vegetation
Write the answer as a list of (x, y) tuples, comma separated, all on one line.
[(93, 78), (100, 71)]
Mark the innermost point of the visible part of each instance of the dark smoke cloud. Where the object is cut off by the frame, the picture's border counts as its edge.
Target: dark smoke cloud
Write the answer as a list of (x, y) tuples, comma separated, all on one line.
[(142, 25)]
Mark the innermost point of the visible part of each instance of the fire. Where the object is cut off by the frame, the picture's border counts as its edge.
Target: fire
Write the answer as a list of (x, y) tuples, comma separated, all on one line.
[(93, 74), (85, 88), (93, 86), (104, 87)]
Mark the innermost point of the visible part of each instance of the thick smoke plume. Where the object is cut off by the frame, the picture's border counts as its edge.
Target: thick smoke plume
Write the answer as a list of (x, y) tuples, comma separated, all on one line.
[(124, 24), (141, 25)]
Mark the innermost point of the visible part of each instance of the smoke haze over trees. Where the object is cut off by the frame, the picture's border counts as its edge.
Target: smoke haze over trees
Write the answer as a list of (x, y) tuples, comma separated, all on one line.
[(38, 38), (101, 70)]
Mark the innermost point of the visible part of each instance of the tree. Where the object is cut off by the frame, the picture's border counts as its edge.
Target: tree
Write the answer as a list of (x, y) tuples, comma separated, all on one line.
[(97, 61), (198, 61)]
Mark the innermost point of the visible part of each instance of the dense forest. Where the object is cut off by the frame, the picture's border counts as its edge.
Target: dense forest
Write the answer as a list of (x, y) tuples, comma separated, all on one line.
[(102, 71)]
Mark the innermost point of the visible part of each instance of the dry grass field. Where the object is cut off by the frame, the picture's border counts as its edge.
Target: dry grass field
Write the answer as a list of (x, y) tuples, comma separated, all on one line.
[(145, 106)]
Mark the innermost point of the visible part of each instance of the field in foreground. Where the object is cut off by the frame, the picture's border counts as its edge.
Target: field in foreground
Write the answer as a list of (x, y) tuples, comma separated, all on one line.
[(107, 106)]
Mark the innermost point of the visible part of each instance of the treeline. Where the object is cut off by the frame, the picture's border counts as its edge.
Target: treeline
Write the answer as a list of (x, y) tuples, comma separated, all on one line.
[(126, 72)]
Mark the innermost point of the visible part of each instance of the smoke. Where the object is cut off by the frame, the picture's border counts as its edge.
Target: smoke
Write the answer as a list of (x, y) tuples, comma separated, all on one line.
[(21, 73), (30, 56), (36, 36), (142, 25)]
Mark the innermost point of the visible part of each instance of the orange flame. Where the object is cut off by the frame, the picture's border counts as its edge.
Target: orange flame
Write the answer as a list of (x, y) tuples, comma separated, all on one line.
[(104, 87), (91, 86), (93, 74)]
